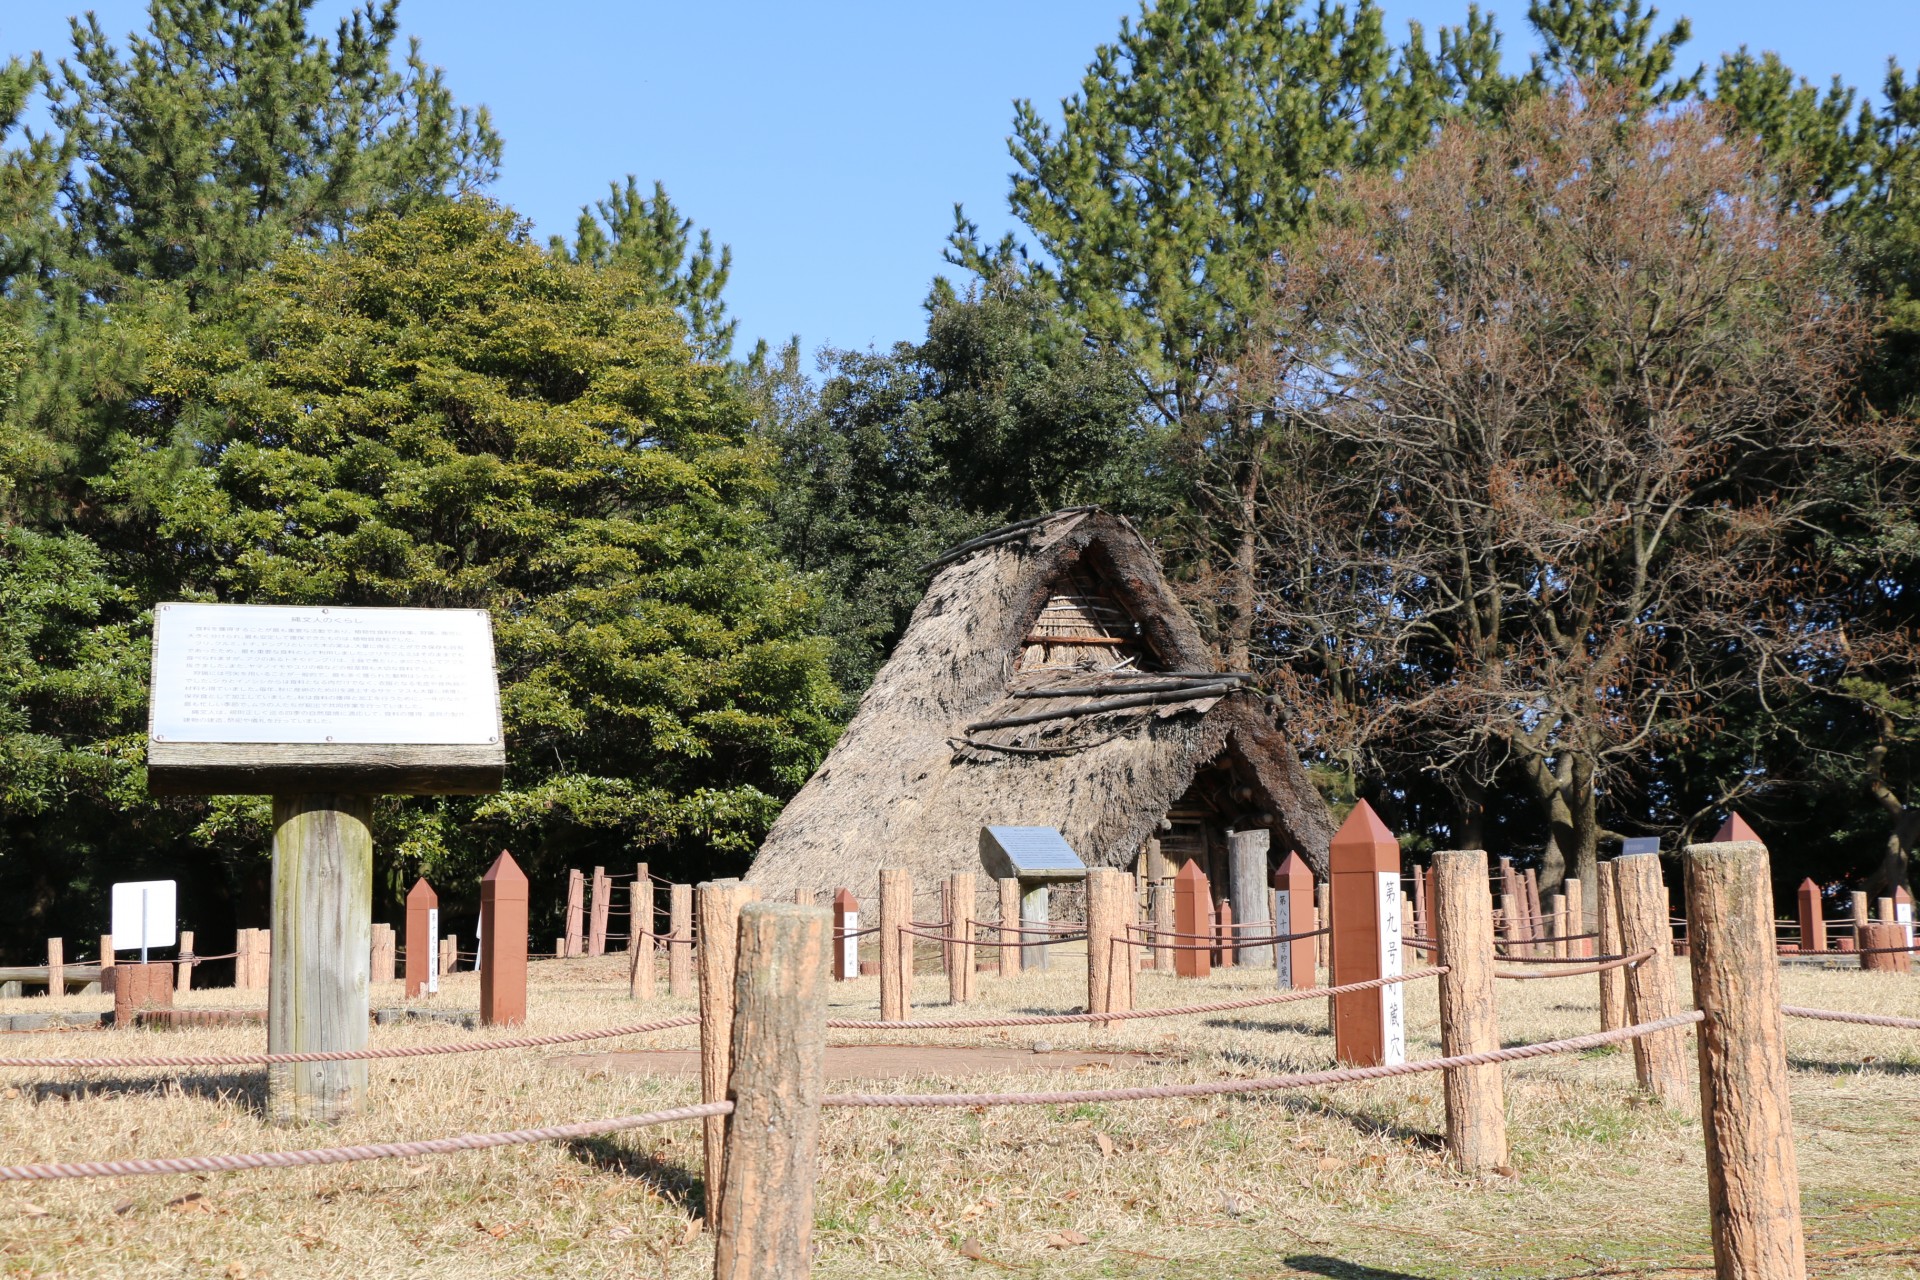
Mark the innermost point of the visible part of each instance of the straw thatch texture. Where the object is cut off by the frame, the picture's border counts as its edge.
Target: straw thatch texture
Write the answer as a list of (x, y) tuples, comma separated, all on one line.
[(909, 786)]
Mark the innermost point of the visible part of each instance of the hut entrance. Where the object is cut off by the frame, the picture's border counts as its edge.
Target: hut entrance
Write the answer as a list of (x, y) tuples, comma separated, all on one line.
[(1196, 824), (1084, 626)]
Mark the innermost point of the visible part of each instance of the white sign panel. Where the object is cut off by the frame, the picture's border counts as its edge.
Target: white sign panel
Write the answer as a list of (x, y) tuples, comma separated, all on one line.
[(1283, 923), (1393, 1011), (433, 950), (143, 915), (850, 946), (286, 674), (1903, 916)]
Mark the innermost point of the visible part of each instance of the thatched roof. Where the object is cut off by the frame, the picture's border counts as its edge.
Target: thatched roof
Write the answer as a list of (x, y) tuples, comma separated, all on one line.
[(927, 761)]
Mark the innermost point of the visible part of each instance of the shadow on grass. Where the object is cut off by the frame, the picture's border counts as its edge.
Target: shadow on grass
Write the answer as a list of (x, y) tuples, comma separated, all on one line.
[(676, 1182), (248, 1092), (1372, 1126), (1341, 1269), (1878, 1066)]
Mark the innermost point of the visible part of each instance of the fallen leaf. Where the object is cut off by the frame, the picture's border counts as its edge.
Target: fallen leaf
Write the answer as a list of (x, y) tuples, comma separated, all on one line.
[(691, 1233), (187, 1199), (1186, 1122), (237, 1271), (1106, 1143), (28, 1209), (1065, 1239), (123, 1206), (972, 1248), (497, 1232), (1329, 1163), (1505, 1171)]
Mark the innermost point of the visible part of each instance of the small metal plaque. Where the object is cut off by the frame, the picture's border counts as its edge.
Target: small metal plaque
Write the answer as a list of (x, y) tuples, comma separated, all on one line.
[(1029, 853), (1639, 844)]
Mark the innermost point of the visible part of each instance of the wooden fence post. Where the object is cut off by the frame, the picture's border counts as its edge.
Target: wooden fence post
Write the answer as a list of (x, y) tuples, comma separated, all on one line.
[(597, 917), (56, 967), (1659, 1060), (1293, 913), (1463, 933), (1190, 897), (1753, 1180), (1165, 958), (803, 897), (1009, 921), (765, 1214), (503, 943), (1536, 912), (423, 921), (183, 971), (846, 941), (243, 959), (1555, 930), (960, 978), (640, 974), (718, 903), (1223, 951), (1878, 943), (381, 955), (1369, 1027), (1323, 920), (945, 929), (1106, 954), (896, 947), (1813, 921), (1423, 903), (680, 982), (576, 912), (1576, 895), (1613, 983), (1247, 862), (107, 962)]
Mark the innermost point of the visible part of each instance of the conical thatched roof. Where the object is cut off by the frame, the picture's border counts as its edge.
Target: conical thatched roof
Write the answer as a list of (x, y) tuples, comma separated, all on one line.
[(926, 761)]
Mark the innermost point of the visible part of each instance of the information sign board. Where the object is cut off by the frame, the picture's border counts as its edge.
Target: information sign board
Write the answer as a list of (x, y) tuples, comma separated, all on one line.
[(144, 915), (1029, 853)]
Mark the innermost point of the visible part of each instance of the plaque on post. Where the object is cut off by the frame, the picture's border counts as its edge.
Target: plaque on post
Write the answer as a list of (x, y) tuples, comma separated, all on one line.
[(1036, 857), (323, 708)]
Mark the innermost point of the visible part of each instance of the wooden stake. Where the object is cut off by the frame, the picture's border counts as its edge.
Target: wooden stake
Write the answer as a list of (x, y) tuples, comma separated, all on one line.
[(1009, 921), (1555, 932), (183, 971), (640, 974), (243, 959), (107, 962), (1369, 1027), (718, 904), (1422, 917), (1247, 863), (1575, 894), (960, 977), (1463, 931), (1876, 941), (1859, 900), (597, 918), (896, 947), (1103, 948), (1753, 1180), (1223, 935), (1659, 1060), (1323, 916), (576, 908), (1536, 913), (680, 949), (503, 943), (945, 930), (322, 912), (1164, 956), (1613, 983), (56, 967), (765, 1212)]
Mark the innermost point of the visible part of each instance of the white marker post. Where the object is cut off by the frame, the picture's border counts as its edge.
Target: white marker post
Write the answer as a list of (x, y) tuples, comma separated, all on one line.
[(1393, 1001), (433, 951)]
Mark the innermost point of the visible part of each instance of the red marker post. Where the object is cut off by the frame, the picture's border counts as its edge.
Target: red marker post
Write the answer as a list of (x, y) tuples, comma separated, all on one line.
[(503, 943), (1369, 1027), (1813, 921), (423, 934), (1190, 921)]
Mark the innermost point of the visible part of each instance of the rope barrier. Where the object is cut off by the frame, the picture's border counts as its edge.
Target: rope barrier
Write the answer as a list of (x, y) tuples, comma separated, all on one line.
[(357, 1055), (1216, 939), (1615, 962), (1056, 1019), (1864, 1019), (345, 1155), (1299, 1080)]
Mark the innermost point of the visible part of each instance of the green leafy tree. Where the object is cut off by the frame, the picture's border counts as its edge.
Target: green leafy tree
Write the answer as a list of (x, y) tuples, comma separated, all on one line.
[(647, 236), (439, 413), (1612, 43)]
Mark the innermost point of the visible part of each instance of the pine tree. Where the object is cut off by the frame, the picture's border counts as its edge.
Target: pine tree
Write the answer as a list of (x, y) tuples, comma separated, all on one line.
[(1605, 43)]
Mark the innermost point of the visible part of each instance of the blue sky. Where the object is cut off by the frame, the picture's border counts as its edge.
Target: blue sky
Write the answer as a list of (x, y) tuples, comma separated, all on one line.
[(828, 142)]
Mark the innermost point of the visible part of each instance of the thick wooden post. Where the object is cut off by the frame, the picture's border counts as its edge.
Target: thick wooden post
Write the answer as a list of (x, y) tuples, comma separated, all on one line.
[(1165, 958), (1813, 921), (183, 971), (1293, 913), (896, 946), (602, 903), (243, 959), (1104, 928), (1323, 919), (1555, 932), (423, 922), (1223, 935), (1576, 895), (846, 942), (1613, 983), (680, 983), (1247, 864), (1191, 895), (1009, 921), (107, 962), (718, 903), (765, 1217), (1463, 932), (1878, 949), (1369, 1027), (1536, 912), (56, 967), (503, 943), (449, 953), (640, 974), (1753, 1180), (322, 913), (576, 913), (960, 977), (1659, 1060)]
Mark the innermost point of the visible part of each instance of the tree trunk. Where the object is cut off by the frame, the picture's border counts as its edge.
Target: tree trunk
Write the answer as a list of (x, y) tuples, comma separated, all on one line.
[(1896, 864)]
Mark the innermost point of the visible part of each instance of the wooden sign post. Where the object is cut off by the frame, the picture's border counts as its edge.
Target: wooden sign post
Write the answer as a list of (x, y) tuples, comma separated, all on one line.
[(322, 708), (1293, 914), (846, 936), (1369, 1027), (1036, 857), (503, 943)]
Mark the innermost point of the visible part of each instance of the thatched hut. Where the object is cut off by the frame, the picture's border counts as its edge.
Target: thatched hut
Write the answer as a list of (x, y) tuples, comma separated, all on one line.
[(1048, 678)]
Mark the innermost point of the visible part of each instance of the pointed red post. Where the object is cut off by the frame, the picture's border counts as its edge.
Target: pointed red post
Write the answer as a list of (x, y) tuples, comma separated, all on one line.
[(423, 939), (503, 943), (1293, 913), (1369, 1027), (846, 940), (1735, 828), (1190, 901), (1813, 921)]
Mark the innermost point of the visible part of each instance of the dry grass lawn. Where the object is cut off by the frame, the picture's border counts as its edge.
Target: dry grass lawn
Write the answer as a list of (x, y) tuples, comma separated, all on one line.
[(1335, 1182)]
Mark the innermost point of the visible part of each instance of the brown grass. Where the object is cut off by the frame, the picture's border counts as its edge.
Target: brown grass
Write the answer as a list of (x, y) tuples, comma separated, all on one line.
[(1341, 1182)]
